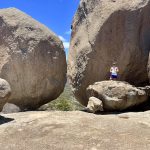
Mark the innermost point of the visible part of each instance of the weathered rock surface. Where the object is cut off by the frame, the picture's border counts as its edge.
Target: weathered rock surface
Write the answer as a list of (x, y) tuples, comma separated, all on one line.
[(148, 67), (32, 60), (104, 31), (116, 95), (75, 131), (5, 92), (146, 89)]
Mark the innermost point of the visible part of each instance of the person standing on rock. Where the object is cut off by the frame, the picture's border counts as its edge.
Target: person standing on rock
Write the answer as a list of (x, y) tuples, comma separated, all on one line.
[(114, 72)]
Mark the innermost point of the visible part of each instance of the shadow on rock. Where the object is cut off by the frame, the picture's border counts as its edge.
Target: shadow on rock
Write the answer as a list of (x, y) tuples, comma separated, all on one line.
[(141, 108), (4, 120), (105, 112)]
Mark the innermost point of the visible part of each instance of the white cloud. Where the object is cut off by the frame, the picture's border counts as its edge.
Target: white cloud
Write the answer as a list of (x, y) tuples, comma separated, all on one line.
[(65, 42), (68, 32), (66, 45), (62, 38)]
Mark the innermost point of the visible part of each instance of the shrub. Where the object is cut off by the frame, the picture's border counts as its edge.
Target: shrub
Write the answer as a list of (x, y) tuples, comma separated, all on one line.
[(66, 102)]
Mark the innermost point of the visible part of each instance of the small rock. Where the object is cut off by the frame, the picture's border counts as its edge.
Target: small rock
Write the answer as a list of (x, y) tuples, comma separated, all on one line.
[(94, 105), (10, 108), (146, 124), (5, 92), (123, 116)]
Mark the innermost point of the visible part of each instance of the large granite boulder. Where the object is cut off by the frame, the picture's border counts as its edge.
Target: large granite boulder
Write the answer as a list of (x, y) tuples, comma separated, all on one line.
[(32, 60), (104, 31), (115, 95), (5, 92)]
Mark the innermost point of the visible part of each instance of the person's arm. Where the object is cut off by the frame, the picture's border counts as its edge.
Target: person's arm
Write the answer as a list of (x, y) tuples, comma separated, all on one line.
[(117, 69), (111, 69)]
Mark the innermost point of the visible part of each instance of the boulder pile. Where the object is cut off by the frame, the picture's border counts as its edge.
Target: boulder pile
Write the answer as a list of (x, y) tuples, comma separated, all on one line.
[(114, 96)]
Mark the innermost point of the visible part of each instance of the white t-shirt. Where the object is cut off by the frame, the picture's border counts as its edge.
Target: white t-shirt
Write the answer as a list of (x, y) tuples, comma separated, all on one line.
[(114, 70)]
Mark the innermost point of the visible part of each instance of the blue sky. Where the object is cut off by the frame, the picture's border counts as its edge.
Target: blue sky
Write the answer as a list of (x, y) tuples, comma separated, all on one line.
[(55, 14)]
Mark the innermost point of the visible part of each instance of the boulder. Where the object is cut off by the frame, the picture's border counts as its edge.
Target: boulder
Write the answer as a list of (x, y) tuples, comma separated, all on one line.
[(10, 108), (104, 31), (116, 95), (5, 92), (32, 60), (94, 105), (146, 89)]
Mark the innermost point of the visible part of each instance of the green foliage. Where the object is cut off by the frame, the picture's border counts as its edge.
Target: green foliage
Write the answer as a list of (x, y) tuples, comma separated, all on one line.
[(66, 102), (63, 105)]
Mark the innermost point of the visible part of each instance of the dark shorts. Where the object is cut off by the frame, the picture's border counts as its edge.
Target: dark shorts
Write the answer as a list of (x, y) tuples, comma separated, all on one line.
[(114, 76)]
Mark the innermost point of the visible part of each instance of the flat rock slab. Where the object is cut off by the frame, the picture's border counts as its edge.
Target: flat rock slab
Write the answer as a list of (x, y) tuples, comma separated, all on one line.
[(75, 131)]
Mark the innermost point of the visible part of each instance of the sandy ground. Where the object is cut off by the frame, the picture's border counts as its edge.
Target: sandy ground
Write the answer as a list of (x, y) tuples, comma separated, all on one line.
[(75, 131)]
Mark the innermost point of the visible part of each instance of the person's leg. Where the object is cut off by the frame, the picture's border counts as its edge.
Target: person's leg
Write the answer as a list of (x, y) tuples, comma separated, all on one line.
[(110, 77), (114, 77)]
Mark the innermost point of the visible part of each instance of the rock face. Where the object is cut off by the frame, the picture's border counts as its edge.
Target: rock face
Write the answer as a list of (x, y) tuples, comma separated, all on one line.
[(43, 130), (148, 67), (116, 95), (104, 31), (5, 92), (32, 60)]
